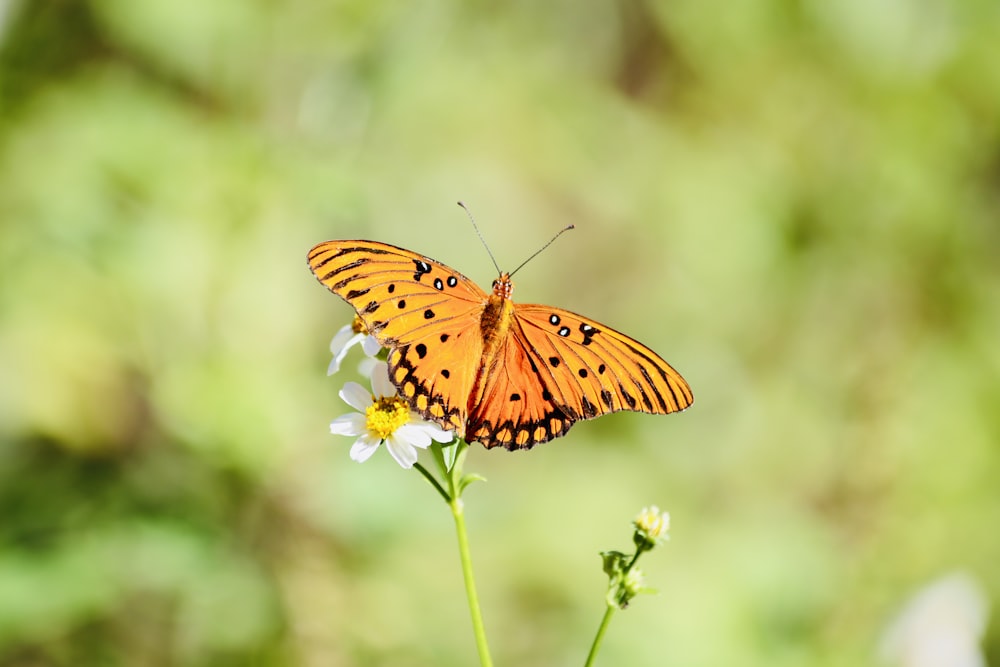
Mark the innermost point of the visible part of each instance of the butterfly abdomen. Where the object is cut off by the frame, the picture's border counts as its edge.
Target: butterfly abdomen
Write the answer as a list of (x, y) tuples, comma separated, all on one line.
[(495, 323), (494, 327)]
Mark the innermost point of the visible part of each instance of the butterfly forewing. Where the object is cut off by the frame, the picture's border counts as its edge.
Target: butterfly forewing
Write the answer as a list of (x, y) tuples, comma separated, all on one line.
[(399, 295), (426, 313), (595, 369)]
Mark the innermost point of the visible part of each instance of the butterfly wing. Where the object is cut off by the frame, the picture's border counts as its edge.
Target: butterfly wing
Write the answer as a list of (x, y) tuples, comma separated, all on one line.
[(398, 294), (517, 408), (426, 313), (572, 368)]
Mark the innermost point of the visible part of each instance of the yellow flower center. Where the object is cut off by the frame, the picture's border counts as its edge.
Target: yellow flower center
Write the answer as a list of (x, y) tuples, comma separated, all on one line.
[(385, 415), (653, 522), (357, 326)]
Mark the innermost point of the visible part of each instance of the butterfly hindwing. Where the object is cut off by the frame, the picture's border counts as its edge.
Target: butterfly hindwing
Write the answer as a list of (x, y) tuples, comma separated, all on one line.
[(434, 374), (516, 409), (399, 295)]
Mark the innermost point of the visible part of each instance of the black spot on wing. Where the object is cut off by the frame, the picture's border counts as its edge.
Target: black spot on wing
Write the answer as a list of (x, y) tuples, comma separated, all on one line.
[(656, 392), (340, 269), (588, 333), (422, 268), (400, 358), (648, 404), (629, 398), (344, 282)]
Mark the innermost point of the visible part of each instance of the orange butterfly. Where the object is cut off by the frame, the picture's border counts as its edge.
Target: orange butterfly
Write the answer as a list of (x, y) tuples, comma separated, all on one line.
[(493, 371)]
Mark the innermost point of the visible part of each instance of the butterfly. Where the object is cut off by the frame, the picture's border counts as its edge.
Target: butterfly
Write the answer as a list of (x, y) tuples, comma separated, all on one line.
[(493, 371)]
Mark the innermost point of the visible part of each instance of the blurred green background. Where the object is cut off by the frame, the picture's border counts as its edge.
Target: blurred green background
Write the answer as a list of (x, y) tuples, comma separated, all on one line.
[(796, 203)]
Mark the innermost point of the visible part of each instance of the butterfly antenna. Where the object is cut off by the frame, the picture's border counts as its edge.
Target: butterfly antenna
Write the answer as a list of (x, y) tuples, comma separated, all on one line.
[(479, 234), (561, 232)]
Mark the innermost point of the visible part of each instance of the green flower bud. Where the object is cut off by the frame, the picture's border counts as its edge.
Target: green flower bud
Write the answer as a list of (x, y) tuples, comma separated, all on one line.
[(614, 563), (634, 582)]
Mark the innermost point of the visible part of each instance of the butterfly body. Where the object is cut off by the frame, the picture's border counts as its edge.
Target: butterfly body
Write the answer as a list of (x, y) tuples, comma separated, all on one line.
[(494, 371), (498, 313)]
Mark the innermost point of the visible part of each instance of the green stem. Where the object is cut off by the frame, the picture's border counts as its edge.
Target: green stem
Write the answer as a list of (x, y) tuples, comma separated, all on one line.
[(638, 552), (430, 478), (596, 646), (470, 583), (453, 478)]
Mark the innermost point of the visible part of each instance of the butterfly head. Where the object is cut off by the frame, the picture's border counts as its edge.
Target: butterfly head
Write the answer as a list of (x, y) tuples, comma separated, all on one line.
[(503, 287)]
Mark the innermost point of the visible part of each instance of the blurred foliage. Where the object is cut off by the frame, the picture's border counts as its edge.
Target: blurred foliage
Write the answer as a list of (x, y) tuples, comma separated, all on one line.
[(796, 203)]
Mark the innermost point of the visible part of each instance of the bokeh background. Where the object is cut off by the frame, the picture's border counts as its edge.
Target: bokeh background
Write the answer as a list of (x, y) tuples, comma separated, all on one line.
[(796, 203)]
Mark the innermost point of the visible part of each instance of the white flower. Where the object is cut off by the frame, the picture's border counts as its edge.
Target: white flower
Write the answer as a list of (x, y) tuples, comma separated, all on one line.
[(384, 417), (652, 525), (349, 336)]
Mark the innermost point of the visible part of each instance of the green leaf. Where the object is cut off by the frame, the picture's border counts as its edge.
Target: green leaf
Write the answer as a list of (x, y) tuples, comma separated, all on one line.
[(469, 479)]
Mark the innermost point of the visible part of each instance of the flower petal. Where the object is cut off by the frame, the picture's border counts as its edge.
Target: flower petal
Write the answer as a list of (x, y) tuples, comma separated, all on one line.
[(436, 433), (356, 396), (413, 435), (380, 380), (364, 447), (370, 345), (366, 366), (402, 451), (349, 424), (342, 341)]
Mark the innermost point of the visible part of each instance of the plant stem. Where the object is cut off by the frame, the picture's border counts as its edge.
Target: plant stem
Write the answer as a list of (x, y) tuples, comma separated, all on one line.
[(430, 478), (596, 646), (452, 476), (608, 612), (470, 583)]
